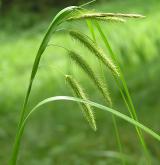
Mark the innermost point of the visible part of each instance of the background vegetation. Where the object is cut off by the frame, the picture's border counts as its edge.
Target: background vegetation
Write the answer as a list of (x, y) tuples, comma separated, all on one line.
[(60, 134)]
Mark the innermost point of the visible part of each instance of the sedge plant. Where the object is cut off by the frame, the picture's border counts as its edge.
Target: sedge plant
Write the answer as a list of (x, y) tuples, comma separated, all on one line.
[(101, 86), (69, 14), (116, 70)]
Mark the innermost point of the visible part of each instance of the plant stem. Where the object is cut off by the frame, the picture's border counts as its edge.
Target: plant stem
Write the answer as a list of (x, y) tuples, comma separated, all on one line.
[(58, 19), (91, 28), (126, 95)]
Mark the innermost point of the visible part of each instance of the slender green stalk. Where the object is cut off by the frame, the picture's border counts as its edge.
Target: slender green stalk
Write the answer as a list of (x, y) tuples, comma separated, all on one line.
[(118, 138), (91, 28), (126, 96), (88, 3)]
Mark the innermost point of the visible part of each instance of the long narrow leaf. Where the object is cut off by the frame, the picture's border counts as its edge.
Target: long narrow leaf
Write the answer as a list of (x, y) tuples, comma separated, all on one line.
[(61, 17), (94, 104)]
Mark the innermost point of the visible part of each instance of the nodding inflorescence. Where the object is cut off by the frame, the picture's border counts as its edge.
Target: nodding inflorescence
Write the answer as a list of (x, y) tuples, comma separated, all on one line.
[(86, 108), (89, 71), (102, 19), (94, 49), (109, 16)]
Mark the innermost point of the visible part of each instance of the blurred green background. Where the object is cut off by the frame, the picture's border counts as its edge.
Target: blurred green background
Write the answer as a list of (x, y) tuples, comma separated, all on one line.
[(58, 134)]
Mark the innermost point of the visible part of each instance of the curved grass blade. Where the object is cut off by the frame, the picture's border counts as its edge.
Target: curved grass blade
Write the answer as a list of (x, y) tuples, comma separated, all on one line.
[(94, 104), (61, 17)]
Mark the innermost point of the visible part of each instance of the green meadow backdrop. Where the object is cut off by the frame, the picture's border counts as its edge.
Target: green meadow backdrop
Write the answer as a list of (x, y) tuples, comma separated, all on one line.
[(59, 134)]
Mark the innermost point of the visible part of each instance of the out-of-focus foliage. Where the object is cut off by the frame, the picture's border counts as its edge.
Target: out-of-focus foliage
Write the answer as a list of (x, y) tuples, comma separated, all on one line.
[(40, 5), (61, 135), (36, 5)]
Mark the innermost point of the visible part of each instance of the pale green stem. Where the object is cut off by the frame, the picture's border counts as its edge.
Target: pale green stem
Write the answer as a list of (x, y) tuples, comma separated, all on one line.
[(127, 99), (91, 28)]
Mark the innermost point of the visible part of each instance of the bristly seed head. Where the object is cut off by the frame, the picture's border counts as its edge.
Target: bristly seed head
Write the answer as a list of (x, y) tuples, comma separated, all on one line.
[(86, 108), (88, 70), (108, 16), (103, 19), (93, 48)]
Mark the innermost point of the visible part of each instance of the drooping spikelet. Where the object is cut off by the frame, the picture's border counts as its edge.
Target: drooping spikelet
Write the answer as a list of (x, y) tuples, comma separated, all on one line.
[(104, 19), (122, 15), (109, 16), (92, 46), (88, 70), (86, 108), (110, 19)]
